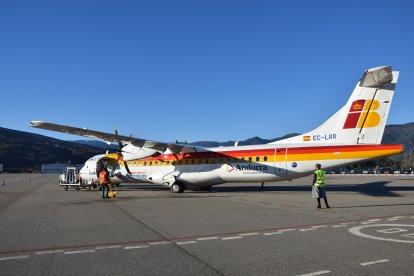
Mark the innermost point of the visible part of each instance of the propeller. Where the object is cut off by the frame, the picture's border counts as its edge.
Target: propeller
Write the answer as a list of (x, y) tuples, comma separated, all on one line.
[(120, 154)]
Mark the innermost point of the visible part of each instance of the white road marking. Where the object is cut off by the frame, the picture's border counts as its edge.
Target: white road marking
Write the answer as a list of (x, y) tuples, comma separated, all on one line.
[(207, 238), (287, 230), (158, 243), (357, 231), (272, 233), (14, 257), (411, 235), (319, 226), (375, 262), (185, 242), (248, 234), (340, 225), (107, 247), (79, 251), (49, 252), (307, 229), (395, 218), (136, 247), (374, 220), (231, 238), (392, 230), (316, 273)]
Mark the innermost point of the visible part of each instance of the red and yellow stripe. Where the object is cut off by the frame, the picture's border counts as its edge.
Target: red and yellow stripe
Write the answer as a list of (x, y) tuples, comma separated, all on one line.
[(282, 154)]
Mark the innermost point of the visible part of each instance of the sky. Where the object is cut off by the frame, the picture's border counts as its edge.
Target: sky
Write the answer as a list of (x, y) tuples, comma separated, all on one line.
[(199, 70)]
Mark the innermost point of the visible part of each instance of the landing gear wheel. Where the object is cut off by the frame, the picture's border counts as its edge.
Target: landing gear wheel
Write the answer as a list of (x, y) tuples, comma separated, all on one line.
[(177, 188), (66, 188)]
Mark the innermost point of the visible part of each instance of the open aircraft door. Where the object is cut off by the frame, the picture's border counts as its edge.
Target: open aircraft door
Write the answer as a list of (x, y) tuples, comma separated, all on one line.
[(280, 161)]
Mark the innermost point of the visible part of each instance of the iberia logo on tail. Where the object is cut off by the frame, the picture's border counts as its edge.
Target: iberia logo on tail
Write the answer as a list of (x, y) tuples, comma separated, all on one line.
[(362, 114)]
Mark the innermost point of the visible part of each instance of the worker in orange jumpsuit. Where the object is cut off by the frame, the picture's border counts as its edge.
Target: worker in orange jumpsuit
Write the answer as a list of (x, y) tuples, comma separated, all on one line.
[(104, 181)]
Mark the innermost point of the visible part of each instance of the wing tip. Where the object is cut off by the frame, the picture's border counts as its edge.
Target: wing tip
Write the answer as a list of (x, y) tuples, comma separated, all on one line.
[(35, 123)]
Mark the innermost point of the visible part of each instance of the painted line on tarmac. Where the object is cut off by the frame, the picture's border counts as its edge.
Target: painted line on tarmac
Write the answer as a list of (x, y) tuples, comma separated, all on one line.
[(79, 252), (272, 233), (375, 262), (395, 218), (307, 229), (231, 238), (249, 234), (185, 242), (108, 247), (339, 225), (316, 273), (287, 230), (319, 226), (357, 231), (159, 243), (136, 247), (207, 238), (49, 252), (14, 257), (224, 236)]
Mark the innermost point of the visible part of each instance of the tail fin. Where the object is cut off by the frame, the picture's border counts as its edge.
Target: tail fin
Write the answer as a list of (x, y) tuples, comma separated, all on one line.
[(362, 120)]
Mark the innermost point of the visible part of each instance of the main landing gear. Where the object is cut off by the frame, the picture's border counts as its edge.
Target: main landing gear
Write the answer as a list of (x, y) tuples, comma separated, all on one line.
[(177, 187)]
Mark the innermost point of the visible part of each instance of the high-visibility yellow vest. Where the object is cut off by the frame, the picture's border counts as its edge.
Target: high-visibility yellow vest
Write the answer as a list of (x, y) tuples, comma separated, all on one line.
[(320, 178)]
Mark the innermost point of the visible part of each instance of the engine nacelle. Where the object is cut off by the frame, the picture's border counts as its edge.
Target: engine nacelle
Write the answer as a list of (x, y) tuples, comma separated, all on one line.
[(164, 179), (131, 152)]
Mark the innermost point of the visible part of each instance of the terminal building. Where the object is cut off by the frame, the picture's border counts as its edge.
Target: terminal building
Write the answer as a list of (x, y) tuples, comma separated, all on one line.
[(58, 168), (1, 168)]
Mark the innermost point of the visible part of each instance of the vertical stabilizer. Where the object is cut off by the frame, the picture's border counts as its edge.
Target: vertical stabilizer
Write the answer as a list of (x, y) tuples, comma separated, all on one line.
[(362, 120)]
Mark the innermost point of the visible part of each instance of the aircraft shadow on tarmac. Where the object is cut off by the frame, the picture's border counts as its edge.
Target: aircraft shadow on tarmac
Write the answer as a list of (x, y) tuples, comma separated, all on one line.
[(377, 188)]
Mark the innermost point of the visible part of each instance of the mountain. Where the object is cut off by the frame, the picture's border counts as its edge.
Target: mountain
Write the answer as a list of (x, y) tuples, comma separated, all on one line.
[(251, 141), (401, 134), (20, 150), (96, 144)]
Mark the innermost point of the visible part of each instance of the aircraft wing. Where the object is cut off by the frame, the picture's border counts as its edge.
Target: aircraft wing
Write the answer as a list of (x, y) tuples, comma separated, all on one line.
[(110, 137)]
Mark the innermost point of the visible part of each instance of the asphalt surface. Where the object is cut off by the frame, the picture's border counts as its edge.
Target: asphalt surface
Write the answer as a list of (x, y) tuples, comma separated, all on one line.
[(232, 230)]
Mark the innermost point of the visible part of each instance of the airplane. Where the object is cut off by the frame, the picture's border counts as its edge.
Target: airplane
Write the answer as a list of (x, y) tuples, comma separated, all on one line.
[(353, 134)]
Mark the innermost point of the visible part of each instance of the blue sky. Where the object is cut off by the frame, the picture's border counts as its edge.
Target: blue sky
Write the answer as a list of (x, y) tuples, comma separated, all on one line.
[(202, 69)]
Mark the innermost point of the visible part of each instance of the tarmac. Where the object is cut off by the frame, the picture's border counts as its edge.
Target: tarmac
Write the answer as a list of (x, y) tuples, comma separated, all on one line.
[(236, 229)]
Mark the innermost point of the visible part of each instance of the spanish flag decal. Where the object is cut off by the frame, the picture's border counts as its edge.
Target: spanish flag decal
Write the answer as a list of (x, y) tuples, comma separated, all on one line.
[(306, 138)]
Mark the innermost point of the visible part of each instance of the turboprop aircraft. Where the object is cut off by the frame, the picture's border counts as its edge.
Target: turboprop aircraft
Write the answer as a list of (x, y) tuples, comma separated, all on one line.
[(353, 134)]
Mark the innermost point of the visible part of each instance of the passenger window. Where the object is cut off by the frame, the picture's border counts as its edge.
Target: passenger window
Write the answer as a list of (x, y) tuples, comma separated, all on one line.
[(206, 161), (265, 158), (242, 160), (257, 159), (145, 163), (214, 161), (174, 162), (150, 163), (156, 162), (250, 159), (180, 162), (221, 161), (193, 161), (228, 159), (186, 162)]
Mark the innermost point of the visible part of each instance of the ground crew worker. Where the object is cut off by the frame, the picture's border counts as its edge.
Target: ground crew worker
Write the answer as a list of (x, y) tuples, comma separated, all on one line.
[(104, 181), (318, 187)]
